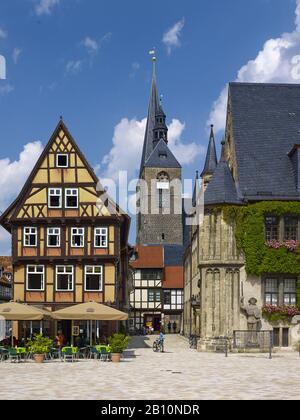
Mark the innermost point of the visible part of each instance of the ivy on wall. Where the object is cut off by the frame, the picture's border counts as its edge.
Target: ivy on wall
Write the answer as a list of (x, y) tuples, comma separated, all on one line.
[(250, 237)]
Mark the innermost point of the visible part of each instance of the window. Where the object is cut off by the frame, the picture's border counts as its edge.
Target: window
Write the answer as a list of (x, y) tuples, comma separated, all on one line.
[(55, 198), (289, 292), (272, 228), (71, 198), (160, 198), (281, 291), (62, 161), (173, 299), (77, 239), (290, 228), (151, 274), (64, 278), (272, 292), (276, 337), (30, 236), (53, 237), (93, 278), (35, 277), (100, 240), (154, 295)]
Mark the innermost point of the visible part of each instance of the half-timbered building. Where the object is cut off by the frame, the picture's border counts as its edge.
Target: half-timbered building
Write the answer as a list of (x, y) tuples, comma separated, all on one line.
[(69, 240)]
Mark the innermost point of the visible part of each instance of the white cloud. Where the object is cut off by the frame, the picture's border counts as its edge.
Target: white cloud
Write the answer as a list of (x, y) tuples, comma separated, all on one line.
[(16, 54), (3, 34), (44, 7), (184, 153), (5, 89), (277, 62), (5, 242), (14, 173), (128, 139), (12, 179), (93, 45), (90, 44), (73, 66), (171, 38), (134, 69)]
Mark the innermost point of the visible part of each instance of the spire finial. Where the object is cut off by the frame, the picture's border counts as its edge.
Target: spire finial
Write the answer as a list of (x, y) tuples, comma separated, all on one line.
[(223, 152), (154, 59), (212, 135)]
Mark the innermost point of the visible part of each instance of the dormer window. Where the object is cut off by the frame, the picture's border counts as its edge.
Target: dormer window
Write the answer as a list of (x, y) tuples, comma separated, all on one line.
[(62, 161)]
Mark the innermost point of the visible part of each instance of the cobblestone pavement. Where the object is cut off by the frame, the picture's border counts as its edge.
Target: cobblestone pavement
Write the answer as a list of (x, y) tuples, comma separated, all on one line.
[(180, 373)]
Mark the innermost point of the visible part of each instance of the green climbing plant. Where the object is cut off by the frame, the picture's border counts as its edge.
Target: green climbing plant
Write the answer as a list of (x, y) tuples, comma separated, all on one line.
[(250, 237)]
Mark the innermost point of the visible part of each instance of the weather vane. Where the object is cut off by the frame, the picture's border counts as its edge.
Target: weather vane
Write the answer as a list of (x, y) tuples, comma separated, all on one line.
[(154, 59)]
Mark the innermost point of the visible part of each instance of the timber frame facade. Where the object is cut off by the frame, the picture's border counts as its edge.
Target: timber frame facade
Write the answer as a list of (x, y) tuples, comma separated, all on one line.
[(69, 245)]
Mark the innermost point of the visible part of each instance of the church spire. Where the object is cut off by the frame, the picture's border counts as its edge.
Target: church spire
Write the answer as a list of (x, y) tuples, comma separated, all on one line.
[(156, 128), (211, 156)]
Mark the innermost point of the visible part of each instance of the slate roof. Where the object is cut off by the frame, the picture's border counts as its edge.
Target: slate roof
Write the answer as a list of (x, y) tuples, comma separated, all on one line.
[(173, 255), (266, 126), (154, 106), (211, 156), (155, 109), (221, 188), (162, 157)]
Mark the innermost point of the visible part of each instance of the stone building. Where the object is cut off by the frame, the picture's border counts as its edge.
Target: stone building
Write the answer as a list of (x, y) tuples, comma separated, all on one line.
[(157, 295), (248, 244)]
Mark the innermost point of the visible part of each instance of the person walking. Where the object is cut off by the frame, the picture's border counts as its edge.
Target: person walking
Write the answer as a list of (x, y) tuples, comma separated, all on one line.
[(169, 327), (174, 327)]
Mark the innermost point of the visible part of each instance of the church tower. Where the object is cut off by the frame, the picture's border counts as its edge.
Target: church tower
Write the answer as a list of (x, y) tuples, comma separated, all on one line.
[(159, 193)]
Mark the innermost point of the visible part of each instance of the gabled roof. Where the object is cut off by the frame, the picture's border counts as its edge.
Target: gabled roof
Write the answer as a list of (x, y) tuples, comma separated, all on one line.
[(221, 188), (266, 126), (211, 156), (162, 157), (11, 211)]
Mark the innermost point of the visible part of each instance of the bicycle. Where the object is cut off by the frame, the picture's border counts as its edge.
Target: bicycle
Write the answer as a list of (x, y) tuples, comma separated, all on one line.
[(158, 346)]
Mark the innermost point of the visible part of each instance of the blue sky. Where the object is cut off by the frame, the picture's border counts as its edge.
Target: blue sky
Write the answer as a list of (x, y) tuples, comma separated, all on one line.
[(88, 61)]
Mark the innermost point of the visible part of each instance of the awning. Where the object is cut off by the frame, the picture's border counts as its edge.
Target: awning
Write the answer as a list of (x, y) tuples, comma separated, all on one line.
[(13, 311), (90, 311)]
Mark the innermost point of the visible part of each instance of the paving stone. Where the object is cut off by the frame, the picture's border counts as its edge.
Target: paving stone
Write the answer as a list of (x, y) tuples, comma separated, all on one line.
[(153, 376)]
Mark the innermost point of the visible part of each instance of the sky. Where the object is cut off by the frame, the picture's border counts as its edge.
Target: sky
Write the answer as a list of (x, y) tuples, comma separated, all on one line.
[(88, 61)]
